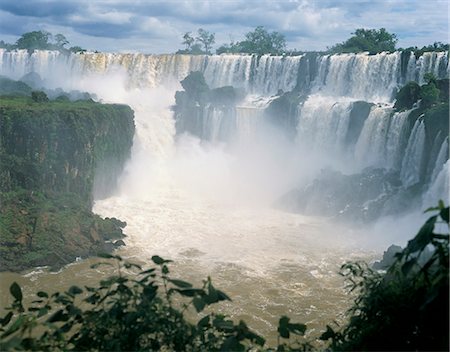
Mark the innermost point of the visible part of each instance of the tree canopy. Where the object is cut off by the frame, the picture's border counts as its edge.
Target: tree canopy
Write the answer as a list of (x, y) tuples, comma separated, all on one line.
[(201, 44), (34, 40), (41, 40), (206, 39), (258, 41), (371, 40)]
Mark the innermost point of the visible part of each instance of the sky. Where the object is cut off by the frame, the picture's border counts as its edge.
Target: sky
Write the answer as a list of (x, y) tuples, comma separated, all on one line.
[(149, 26)]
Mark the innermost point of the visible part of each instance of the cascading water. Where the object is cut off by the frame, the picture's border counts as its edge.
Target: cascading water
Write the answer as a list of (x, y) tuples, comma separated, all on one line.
[(207, 207), (327, 133), (412, 161), (440, 160)]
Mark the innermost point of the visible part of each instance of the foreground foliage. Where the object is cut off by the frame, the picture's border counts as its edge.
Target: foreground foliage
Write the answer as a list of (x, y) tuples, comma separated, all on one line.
[(130, 311), (405, 308)]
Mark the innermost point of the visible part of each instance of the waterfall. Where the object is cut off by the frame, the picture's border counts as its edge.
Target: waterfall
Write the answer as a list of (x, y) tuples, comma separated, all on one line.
[(229, 70), (360, 76), (442, 157), (412, 161), (439, 188), (370, 149), (248, 120), (323, 123), (275, 73), (212, 126), (382, 139), (334, 83), (431, 62)]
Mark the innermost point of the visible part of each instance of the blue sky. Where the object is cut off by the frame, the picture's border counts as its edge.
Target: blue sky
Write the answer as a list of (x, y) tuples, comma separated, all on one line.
[(157, 26)]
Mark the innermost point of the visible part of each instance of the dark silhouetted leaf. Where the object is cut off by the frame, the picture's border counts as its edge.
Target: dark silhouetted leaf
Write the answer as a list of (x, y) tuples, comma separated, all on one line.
[(15, 326), (199, 304), (283, 329), (297, 328), (328, 334), (180, 283), (407, 266), (232, 344), (16, 291), (42, 312), (423, 238), (5, 321), (58, 316), (190, 292), (203, 322), (159, 261), (75, 290)]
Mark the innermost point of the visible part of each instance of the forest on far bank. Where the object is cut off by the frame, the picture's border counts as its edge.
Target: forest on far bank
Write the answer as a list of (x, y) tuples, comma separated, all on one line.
[(260, 41)]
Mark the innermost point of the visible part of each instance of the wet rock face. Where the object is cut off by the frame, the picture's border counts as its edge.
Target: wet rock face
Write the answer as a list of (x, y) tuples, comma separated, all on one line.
[(361, 197), (50, 155)]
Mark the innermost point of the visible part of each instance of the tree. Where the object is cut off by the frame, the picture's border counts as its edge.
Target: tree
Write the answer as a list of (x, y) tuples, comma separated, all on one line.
[(77, 49), (39, 96), (429, 94), (6, 46), (188, 40), (407, 96), (371, 40), (60, 40), (206, 39), (259, 42), (36, 40)]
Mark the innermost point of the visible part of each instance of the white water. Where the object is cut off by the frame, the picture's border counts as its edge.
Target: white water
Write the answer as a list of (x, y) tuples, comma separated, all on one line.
[(412, 162), (327, 133), (207, 206)]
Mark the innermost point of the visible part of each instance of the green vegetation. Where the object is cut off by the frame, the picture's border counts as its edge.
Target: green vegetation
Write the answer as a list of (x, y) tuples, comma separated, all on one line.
[(407, 96), (41, 40), (259, 42), (433, 107), (199, 45), (371, 40), (405, 309), (436, 46), (40, 228), (39, 96), (49, 154), (136, 309), (14, 88)]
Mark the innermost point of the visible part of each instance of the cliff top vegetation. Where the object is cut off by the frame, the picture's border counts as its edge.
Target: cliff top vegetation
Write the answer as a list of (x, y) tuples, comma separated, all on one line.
[(260, 41), (41, 40)]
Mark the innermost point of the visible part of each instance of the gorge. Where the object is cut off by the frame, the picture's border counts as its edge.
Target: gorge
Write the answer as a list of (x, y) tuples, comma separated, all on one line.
[(202, 180)]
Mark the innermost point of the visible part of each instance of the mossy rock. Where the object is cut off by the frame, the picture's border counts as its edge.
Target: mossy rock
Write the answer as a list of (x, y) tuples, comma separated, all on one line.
[(407, 96), (50, 155)]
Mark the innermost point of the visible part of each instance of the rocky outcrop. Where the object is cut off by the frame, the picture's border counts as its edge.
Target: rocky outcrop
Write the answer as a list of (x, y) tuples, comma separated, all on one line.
[(50, 157), (198, 106), (364, 196)]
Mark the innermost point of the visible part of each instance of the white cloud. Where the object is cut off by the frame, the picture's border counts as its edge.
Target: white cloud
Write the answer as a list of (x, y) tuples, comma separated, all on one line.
[(157, 26)]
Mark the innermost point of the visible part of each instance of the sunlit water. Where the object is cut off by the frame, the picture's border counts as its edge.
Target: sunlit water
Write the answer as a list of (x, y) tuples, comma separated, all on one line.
[(269, 262)]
